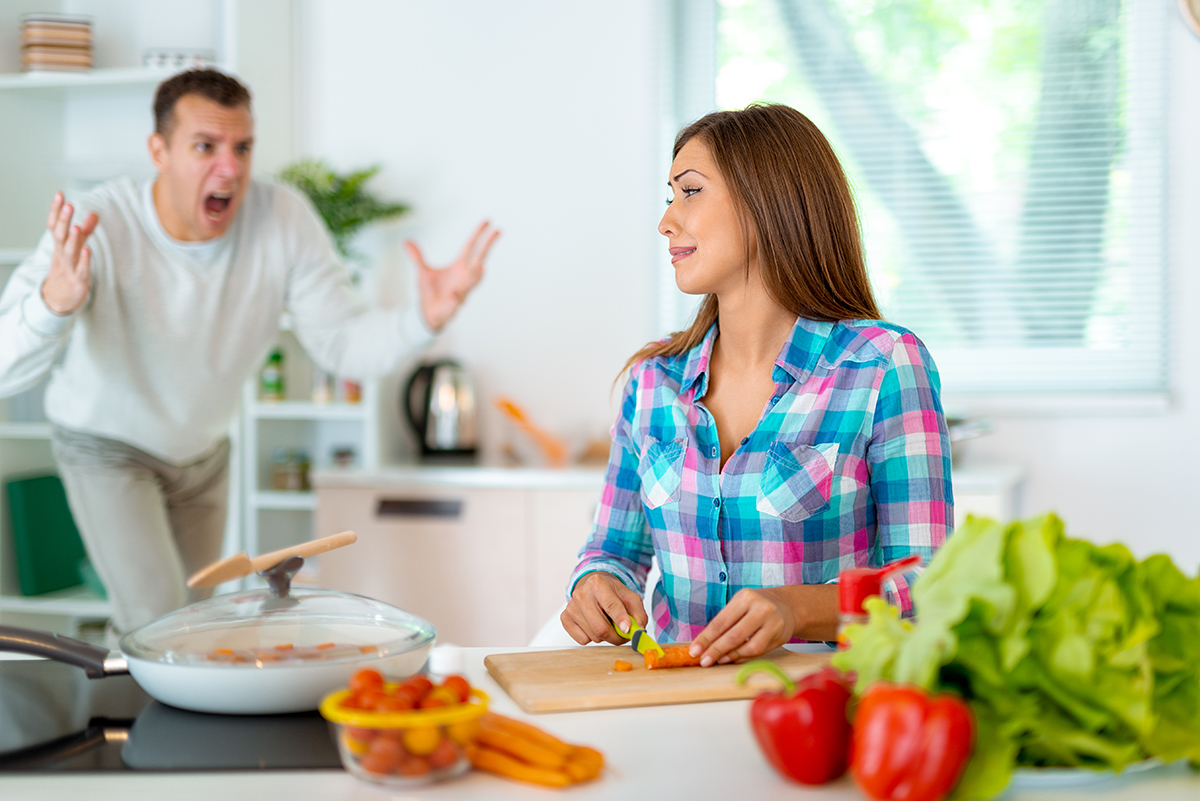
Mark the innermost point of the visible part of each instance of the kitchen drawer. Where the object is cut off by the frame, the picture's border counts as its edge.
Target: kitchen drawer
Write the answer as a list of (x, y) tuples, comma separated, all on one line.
[(456, 557)]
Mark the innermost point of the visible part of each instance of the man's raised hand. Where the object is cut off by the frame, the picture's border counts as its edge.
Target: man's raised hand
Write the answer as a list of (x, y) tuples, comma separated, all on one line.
[(444, 289), (66, 287)]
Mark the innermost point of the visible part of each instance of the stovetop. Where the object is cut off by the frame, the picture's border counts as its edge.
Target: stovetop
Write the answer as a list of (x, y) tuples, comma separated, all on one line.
[(54, 718)]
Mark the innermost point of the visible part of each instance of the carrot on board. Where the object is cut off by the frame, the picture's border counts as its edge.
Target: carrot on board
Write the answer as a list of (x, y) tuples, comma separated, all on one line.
[(673, 656), (622, 665)]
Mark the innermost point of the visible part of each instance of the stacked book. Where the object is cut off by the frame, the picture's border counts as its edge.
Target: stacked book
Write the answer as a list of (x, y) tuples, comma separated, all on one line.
[(56, 42)]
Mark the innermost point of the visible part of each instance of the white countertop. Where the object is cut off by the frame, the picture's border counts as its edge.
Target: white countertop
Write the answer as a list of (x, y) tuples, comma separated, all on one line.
[(472, 476), (689, 751), (970, 478)]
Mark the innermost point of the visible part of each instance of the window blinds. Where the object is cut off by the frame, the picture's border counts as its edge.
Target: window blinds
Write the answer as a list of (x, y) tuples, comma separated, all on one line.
[(1008, 160)]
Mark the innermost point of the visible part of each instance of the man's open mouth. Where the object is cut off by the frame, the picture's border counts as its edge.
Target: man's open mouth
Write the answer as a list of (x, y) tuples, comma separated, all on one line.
[(218, 202)]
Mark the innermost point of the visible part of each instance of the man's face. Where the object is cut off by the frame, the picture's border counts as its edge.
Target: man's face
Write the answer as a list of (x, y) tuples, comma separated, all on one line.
[(203, 168)]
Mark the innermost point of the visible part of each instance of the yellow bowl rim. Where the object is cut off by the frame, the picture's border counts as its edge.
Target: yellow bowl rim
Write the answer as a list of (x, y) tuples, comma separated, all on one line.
[(332, 710)]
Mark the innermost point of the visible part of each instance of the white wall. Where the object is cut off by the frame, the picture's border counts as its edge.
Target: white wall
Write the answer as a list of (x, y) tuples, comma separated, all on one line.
[(542, 116), (1135, 478)]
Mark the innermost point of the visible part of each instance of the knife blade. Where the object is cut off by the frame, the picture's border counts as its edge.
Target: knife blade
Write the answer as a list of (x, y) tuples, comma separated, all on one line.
[(638, 637)]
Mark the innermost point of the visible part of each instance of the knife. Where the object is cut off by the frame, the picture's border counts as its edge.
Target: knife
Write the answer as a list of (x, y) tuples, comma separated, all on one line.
[(638, 637)]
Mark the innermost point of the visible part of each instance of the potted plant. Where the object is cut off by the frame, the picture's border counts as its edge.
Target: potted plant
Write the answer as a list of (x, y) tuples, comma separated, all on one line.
[(343, 201)]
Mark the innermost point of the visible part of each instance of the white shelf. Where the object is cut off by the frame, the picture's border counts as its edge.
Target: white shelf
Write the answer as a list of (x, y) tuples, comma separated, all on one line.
[(24, 431), (74, 602), (288, 501), (307, 410), (122, 76)]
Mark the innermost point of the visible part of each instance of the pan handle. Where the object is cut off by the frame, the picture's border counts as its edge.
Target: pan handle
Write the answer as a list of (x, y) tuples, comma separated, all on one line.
[(97, 661)]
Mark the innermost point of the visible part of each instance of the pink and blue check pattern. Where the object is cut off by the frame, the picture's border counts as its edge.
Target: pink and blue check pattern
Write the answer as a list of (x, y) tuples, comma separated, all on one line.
[(849, 466)]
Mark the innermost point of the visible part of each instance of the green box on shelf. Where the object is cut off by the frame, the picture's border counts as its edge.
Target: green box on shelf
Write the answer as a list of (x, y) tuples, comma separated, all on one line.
[(46, 542)]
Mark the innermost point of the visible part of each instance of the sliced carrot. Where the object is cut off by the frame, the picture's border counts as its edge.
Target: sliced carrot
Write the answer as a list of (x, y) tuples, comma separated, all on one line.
[(673, 656), (501, 764), (287, 646), (521, 729), (622, 665), (325, 645), (223, 652)]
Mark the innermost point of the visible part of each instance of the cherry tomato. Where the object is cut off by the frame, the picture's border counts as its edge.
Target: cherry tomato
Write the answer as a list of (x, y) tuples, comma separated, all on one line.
[(413, 766), (439, 696), (366, 679), (410, 692), (393, 703), (463, 732), (419, 684), (384, 756), (422, 740), (444, 755), (459, 686)]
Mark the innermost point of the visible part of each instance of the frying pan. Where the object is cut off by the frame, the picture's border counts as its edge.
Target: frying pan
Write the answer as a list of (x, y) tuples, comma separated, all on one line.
[(253, 652)]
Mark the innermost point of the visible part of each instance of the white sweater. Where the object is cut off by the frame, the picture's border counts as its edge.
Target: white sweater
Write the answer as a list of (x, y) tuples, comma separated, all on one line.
[(158, 353)]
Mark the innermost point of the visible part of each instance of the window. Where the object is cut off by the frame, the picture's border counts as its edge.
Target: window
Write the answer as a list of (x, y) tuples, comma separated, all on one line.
[(1008, 163)]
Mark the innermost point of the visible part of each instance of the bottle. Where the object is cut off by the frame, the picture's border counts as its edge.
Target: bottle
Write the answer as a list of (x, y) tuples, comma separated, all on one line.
[(859, 584), (323, 386), (271, 377)]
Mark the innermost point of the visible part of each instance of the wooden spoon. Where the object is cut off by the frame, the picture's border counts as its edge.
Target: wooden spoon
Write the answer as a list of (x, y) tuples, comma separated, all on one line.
[(241, 564)]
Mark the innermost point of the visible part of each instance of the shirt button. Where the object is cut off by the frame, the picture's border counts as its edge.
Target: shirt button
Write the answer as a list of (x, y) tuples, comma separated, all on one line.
[(745, 440), (722, 576), (716, 502), (714, 451), (775, 399)]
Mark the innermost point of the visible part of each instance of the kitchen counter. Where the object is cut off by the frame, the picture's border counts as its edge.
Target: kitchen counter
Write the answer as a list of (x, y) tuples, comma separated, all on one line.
[(690, 751)]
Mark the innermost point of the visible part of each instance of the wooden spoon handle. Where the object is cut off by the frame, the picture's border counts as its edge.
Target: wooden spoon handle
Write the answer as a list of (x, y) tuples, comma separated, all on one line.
[(310, 548)]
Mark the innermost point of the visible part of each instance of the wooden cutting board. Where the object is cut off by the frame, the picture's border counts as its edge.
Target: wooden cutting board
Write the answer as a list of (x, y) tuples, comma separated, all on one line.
[(584, 678)]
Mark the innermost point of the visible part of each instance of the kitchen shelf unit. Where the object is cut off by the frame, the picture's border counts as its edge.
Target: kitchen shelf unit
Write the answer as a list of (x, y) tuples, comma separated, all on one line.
[(113, 76), (273, 519)]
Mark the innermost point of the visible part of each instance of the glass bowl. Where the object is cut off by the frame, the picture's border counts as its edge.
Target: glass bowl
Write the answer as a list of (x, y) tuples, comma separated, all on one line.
[(404, 749)]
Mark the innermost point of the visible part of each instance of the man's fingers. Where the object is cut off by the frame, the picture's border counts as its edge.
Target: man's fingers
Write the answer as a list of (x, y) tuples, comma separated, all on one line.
[(470, 248), (55, 207), (414, 253), (83, 269), (62, 225), (482, 255), (71, 247), (89, 225)]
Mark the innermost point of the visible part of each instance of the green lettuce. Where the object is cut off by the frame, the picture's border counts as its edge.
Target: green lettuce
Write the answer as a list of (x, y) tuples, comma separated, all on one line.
[(1069, 653)]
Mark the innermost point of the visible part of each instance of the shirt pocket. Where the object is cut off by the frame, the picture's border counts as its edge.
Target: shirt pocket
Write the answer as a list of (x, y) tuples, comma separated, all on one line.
[(797, 480), (661, 471)]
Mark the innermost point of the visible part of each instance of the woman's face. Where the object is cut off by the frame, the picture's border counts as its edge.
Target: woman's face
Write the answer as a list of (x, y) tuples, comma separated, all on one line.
[(701, 224)]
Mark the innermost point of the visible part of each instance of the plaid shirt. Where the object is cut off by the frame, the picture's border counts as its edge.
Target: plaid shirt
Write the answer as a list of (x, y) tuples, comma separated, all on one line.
[(849, 466)]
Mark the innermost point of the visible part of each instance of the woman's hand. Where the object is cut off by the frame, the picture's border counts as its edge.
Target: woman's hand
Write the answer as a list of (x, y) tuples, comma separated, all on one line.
[(598, 594), (755, 622), (70, 278), (443, 289)]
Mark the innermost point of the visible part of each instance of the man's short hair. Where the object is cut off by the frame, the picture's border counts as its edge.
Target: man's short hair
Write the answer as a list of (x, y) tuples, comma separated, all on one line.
[(208, 83)]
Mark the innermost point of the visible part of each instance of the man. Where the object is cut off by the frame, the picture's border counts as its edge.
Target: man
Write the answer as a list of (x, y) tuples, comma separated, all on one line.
[(166, 299)]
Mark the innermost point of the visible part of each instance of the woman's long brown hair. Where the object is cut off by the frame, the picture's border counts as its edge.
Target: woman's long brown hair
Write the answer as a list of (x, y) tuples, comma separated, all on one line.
[(791, 195)]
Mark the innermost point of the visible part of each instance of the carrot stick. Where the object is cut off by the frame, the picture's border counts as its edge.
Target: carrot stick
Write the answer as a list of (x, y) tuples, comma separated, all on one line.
[(584, 764), (673, 656), (486, 759), (519, 728), (622, 665), (518, 747)]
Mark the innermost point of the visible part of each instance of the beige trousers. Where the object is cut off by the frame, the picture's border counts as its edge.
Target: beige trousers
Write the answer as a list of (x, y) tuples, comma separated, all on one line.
[(147, 525)]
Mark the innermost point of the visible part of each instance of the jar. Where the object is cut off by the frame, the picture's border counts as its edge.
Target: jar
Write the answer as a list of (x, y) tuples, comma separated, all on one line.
[(404, 749)]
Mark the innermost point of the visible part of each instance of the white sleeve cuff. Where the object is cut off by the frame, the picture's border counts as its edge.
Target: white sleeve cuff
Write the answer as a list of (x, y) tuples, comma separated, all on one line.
[(413, 328), (37, 315)]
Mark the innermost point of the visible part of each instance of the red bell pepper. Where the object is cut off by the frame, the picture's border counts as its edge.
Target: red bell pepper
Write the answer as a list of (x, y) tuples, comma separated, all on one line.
[(803, 731), (909, 745)]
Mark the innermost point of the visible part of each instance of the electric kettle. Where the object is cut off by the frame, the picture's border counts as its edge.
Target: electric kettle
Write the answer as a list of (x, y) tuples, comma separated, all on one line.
[(439, 403)]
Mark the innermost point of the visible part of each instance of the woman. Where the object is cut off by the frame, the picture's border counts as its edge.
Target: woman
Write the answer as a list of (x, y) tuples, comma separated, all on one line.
[(787, 435)]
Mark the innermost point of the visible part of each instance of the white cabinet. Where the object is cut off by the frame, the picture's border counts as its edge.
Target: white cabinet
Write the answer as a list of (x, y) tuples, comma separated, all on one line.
[(484, 554)]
